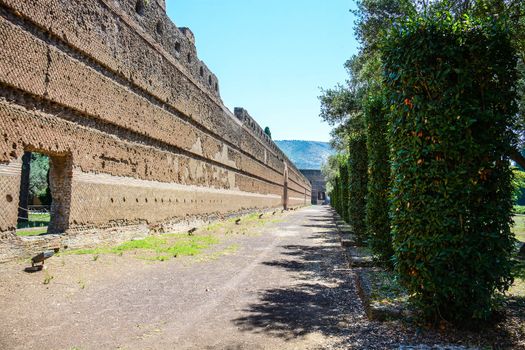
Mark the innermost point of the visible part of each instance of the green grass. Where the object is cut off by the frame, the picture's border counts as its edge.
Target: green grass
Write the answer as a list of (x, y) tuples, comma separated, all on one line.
[(161, 248), (167, 246), (32, 232), (40, 220), (40, 217), (518, 288), (519, 209), (519, 227), (385, 288)]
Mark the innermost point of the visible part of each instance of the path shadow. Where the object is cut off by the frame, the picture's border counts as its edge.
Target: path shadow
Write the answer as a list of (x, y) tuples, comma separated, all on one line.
[(325, 301), (297, 311), (314, 306)]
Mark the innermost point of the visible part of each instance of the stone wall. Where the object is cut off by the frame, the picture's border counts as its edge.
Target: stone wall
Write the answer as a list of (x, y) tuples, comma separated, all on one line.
[(318, 182), (133, 122)]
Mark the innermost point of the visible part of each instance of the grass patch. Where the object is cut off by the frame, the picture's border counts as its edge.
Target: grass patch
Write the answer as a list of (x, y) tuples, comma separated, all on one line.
[(40, 217), (519, 227), (161, 248), (40, 220), (518, 287), (519, 209), (31, 232), (385, 289), (167, 246)]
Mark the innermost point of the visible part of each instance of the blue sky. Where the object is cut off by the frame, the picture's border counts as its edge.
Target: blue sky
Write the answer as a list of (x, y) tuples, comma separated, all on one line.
[(272, 56)]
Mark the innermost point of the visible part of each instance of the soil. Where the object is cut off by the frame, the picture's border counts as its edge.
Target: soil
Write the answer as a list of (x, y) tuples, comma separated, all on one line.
[(287, 286)]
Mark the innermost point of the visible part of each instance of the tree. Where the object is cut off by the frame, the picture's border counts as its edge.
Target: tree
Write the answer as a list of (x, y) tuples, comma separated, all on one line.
[(268, 132)]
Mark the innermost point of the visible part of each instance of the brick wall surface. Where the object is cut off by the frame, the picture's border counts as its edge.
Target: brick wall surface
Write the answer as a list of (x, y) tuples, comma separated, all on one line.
[(138, 137)]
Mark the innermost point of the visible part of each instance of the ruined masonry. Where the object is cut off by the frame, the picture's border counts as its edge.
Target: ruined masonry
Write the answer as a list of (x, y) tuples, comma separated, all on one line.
[(138, 137)]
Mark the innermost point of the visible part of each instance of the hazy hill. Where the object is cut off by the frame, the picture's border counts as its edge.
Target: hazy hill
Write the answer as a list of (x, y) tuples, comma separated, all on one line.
[(306, 154)]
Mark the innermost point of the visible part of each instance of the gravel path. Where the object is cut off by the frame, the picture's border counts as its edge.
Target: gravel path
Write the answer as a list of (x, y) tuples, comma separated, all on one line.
[(287, 288)]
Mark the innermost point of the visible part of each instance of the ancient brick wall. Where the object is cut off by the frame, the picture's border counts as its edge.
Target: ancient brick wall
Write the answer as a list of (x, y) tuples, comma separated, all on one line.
[(133, 122), (318, 182)]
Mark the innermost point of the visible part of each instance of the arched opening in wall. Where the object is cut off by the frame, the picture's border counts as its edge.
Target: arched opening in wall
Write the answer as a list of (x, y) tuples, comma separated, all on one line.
[(201, 71), (177, 47), (45, 194)]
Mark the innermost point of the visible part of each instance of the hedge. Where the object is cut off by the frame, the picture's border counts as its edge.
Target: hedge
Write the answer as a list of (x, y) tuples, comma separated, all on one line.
[(450, 90), (377, 205), (344, 192), (358, 177)]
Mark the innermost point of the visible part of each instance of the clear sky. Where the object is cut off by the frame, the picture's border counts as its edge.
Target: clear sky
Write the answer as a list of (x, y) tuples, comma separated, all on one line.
[(272, 56)]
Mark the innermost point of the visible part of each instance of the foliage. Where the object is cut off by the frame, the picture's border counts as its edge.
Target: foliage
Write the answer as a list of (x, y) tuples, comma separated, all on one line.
[(374, 17), (518, 183), (268, 132), (336, 104), (519, 224), (450, 90), (345, 189), (38, 177), (377, 205), (330, 170), (358, 177), (519, 209), (335, 195)]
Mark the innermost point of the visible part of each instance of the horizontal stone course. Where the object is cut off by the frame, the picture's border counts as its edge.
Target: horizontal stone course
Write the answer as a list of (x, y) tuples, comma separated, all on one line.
[(138, 137)]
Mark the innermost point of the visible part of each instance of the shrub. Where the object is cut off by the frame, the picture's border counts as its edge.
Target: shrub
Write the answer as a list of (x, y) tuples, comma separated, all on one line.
[(519, 209), (450, 90), (377, 204), (343, 176), (358, 177), (334, 196)]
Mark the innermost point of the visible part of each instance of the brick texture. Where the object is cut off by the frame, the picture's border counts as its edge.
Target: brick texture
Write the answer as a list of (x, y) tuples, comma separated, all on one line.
[(138, 137)]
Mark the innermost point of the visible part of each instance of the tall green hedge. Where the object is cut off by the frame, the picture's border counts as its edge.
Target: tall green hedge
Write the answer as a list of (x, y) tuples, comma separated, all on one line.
[(358, 177), (335, 196), (343, 175), (450, 89), (377, 204)]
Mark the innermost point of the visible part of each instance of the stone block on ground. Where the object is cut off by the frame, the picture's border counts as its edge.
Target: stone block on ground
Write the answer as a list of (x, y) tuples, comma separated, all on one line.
[(359, 257), (383, 300), (350, 240)]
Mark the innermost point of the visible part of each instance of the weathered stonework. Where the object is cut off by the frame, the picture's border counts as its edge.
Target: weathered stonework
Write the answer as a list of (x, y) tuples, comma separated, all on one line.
[(318, 182), (137, 134)]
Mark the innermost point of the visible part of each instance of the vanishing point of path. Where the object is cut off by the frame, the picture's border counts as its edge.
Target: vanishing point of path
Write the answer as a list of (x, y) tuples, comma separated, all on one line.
[(287, 287)]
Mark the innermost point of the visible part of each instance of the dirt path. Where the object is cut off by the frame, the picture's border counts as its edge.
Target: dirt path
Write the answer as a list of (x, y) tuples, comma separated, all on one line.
[(273, 293), (288, 287)]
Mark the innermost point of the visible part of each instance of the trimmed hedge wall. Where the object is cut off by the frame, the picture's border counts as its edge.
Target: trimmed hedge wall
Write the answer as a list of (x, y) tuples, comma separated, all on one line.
[(378, 205), (343, 175), (335, 200), (450, 89), (358, 177)]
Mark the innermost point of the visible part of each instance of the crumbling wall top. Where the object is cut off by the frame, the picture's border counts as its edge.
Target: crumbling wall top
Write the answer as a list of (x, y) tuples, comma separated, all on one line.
[(179, 42), (242, 115)]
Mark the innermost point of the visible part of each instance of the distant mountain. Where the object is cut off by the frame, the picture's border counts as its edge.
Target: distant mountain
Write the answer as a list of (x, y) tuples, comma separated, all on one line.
[(306, 154)]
